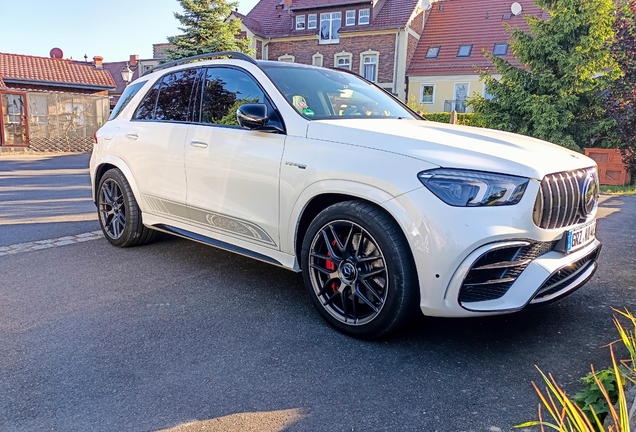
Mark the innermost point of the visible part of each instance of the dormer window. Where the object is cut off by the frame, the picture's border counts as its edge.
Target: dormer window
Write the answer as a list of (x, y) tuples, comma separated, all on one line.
[(329, 27), (432, 52), (500, 49), (312, 21), (363, 16), (350, 18), (300, 22), (464, 50)]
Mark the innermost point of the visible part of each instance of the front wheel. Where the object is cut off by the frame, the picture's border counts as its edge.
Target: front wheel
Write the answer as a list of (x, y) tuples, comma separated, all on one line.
[(358, 270), (119, 213)]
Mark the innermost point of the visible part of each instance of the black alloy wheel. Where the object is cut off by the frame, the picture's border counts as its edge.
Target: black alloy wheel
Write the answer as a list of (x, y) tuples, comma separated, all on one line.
[(119, 213), (358, 270)]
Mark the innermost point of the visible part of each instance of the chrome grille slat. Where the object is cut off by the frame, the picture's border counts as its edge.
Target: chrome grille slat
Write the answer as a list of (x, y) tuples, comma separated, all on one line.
[(558, 203)]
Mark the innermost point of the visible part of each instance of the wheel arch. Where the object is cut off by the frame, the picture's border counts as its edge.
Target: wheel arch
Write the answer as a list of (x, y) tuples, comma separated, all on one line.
[(108, 163), (321, 200)]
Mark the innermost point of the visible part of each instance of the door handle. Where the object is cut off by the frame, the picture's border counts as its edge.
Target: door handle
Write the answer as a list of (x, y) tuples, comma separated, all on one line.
[(199, 144), (132, 136)]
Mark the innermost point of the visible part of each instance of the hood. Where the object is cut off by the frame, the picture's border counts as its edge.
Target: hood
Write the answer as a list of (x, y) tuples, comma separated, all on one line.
[(452, 146)]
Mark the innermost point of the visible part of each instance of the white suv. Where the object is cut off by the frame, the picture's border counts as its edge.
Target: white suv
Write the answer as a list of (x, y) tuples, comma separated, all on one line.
[(317, 170)]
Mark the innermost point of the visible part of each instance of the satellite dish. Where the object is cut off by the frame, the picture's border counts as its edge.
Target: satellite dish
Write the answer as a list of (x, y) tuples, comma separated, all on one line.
[(516, 8), (56, 53), (426, 4)]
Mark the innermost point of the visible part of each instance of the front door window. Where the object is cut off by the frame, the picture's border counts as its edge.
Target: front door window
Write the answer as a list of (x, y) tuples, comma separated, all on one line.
[(14, 120)]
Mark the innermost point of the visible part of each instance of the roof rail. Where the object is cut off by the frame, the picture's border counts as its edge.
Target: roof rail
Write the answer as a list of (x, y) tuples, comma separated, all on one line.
[(230, 54)]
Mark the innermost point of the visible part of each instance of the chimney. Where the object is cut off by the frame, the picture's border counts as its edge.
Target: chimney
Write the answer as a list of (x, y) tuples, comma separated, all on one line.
[(97, 61), (134, 59), (287, 4)]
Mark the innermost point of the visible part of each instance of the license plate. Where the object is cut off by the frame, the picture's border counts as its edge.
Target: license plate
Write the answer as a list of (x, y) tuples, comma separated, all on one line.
[(578, 238)]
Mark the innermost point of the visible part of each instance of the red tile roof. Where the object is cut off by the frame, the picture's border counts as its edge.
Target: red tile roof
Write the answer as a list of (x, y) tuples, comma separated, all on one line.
[(2, 86), (43, 70), (274, 21), (465, 22)]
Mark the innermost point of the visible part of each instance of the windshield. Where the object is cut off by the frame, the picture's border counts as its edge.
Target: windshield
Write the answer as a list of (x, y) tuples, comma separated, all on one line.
[(320, 94)]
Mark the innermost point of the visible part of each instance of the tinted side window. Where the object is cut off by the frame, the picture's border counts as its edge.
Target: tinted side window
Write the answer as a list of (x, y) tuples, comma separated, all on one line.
[(146, 109), (173, 103), (125, 98), (224, 91)]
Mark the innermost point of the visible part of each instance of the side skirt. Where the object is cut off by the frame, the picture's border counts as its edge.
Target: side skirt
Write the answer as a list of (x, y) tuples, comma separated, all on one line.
[(216, 243)]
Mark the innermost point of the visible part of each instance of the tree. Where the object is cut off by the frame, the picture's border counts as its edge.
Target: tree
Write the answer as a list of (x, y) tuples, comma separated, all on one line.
[(206, 28), (564, 62), (619, 100)]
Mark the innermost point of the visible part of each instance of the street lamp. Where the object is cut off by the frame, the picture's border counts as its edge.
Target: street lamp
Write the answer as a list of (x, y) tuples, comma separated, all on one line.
[(127, 74)]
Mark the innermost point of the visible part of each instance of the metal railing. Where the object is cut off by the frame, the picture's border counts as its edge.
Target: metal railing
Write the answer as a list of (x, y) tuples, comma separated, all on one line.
[(458, 105)]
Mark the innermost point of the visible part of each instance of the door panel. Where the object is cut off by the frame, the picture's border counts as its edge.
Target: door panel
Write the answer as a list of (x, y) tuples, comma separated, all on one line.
[(233, 183), (14, 120), (233, 173), (156, 142)]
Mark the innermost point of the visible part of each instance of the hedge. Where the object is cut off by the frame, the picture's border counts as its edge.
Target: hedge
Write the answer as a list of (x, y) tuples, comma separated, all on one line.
[(470, 119)]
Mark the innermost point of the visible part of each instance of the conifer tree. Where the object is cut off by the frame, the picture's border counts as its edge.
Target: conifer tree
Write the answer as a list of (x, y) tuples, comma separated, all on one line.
[(206, 28), (620, 99), (565, 61)]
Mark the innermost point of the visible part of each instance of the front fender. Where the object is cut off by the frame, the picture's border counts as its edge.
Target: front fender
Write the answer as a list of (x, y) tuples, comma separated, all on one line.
[(363, 191)]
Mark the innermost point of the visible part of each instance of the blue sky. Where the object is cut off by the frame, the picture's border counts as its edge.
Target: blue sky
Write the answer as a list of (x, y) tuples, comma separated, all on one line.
[(114, 29)]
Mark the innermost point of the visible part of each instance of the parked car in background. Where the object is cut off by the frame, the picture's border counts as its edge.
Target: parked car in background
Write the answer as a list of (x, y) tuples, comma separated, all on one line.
[(320, 171)]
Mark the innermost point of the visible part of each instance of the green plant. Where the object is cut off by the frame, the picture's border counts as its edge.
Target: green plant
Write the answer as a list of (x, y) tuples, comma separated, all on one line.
[(416, 106), (604, 390), (619, 190), (592, 398), (470, 119)]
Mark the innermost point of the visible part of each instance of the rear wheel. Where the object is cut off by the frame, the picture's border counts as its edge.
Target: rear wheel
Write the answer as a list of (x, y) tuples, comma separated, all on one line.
[(119, 214), (358, 270)]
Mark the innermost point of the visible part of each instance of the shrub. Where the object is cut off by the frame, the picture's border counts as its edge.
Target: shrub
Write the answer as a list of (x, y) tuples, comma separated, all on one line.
[(470, 119)]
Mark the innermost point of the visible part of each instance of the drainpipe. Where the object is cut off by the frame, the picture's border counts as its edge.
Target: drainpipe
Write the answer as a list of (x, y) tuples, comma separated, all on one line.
[(395, 61)]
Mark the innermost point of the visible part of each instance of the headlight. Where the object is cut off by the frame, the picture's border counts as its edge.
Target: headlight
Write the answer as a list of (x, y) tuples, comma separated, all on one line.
[(462, 188)]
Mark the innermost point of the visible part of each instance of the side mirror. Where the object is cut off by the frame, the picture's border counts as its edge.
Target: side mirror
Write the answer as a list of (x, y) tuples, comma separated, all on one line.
[(252, 115)]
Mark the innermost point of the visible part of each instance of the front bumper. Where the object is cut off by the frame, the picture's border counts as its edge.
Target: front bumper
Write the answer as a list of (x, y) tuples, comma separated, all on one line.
[(447, 243)]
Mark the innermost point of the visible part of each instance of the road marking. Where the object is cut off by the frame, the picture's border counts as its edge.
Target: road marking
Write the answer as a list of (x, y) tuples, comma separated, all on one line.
[(49, 243)]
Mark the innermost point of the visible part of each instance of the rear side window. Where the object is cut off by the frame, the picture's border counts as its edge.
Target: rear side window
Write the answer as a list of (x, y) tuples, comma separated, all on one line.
[(170, 98), (146, 109), (225, 90), (125, 98)]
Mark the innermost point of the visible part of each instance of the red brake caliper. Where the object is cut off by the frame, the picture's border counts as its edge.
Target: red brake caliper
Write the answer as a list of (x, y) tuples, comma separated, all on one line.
[(331, 266)]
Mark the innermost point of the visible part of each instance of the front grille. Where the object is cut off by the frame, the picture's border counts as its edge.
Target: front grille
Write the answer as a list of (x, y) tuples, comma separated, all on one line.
[(563, 278), (559, 201), (494, 272)]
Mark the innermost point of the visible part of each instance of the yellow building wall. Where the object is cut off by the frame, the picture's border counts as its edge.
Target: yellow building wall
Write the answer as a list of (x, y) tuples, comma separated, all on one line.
[(444, 89)]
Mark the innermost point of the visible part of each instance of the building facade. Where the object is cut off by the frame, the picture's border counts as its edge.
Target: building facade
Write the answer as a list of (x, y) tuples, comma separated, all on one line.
[(51, 104), (375, 38)]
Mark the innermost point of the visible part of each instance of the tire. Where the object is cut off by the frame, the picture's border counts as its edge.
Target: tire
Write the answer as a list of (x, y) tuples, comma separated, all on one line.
[(118, 212), (358, 270)]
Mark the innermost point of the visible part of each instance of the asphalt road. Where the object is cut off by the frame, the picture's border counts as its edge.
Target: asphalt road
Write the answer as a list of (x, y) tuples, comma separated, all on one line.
[(181, 335)]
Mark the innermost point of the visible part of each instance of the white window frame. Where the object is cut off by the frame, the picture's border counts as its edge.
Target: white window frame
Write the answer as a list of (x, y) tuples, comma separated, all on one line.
[(485, 94), (300, 22), (370, 54), (455, 89), (310, 20), (422, 93), (343, 55), (350, 14), (287, 58), (317, 59), (329, 16), (364, 16)]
